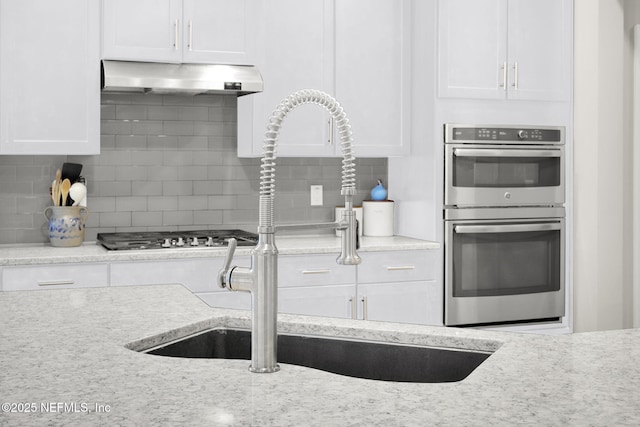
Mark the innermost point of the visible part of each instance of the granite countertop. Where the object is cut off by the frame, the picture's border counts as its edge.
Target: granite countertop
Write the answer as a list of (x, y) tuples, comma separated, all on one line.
[(65, 357), (30, 254)]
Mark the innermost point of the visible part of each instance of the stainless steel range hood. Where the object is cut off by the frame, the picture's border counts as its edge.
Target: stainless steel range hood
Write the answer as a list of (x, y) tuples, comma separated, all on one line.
[(179, 79)]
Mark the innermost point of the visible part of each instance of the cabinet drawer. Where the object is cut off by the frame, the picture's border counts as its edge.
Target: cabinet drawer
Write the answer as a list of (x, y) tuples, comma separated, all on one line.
[(55, 277), (309, 270), (397, 266), (197, 275)]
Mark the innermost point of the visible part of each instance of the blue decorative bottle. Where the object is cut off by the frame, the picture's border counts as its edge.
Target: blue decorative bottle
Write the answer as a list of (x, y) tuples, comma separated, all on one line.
[(379, 192)]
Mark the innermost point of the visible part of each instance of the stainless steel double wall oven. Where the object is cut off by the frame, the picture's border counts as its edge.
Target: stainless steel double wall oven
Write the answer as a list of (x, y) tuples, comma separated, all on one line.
[(504, 224)]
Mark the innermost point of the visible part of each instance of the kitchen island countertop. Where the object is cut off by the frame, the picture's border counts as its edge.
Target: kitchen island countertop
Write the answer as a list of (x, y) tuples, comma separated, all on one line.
[(32, 254), (65, 361)]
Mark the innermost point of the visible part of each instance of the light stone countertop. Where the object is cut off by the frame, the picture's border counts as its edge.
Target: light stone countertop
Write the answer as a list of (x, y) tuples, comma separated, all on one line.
[(32, 254), (66, 349)]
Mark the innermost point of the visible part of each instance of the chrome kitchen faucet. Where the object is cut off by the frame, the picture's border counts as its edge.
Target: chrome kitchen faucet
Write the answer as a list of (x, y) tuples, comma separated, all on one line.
[(261, 279)]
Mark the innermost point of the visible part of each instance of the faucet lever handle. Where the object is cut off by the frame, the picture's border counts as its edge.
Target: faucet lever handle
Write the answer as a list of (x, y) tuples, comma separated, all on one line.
[(222, 274)]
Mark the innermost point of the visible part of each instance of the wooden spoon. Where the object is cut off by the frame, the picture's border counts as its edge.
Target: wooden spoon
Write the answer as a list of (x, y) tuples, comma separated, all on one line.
[(66, 185)]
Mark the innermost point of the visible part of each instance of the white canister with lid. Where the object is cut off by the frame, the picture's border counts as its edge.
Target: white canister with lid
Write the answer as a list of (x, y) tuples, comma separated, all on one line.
[(378, 217)]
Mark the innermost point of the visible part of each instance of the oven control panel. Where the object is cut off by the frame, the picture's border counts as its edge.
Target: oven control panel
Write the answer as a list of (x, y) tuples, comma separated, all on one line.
[(478, 134)]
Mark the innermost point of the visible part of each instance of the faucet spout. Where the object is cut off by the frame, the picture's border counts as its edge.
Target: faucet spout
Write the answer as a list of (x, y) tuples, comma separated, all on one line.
[(262, 278)]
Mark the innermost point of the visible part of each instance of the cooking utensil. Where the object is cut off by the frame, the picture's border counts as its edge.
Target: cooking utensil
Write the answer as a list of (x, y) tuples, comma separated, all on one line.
[(55, 189), (71, 171), (64, 190), (77, 192)]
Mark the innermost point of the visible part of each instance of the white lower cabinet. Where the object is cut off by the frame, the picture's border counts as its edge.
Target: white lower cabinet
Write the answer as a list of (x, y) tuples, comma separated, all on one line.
[(199, 275), (60, 276), (318, 300), (393, 286), (408, 302)]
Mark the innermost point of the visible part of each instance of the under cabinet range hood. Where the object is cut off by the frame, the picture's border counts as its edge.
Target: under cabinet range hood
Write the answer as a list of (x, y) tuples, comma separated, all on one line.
[(180, 79)]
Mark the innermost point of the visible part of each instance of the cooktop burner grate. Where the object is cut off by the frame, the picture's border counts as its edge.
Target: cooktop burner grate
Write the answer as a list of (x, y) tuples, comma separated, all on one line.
[(174, 239)]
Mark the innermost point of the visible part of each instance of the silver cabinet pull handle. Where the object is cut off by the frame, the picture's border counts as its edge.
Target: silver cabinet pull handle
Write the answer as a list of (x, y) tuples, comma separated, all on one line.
[(504, 76), (507, 228), (515, 75), (176, 25), (401, 267), (489, 152), (56, 282), (364, 308), (331, 124), (320, 271), (352, 300), (190, 35)]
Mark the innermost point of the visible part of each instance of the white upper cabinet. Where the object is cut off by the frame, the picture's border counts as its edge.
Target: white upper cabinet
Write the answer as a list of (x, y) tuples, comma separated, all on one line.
[(295, 52), (142, 30), (373, 65), (50, 77), (505, 49), (190, 31), (219, 31), (357, 51)]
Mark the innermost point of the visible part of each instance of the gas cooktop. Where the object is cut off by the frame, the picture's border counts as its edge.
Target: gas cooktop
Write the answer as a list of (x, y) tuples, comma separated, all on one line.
[(174, 239)]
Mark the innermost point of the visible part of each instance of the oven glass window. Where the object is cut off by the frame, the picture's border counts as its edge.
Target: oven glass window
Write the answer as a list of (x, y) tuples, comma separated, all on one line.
[(470, 171), (493, 264)]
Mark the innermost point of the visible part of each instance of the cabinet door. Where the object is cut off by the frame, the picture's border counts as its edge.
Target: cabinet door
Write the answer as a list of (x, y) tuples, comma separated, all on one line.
[(373, 66), (539, 53), (402, 302), (50, 77), (218, 31), (294, 51), (329, 301), (142, 30), (472, 49)]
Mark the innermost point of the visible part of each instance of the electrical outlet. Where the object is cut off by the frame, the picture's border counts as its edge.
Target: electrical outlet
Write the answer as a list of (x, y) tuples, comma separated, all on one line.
[(316, 195)]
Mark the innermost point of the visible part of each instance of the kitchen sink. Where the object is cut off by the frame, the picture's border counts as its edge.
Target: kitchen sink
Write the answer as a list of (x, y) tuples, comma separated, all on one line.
[(353, 358)]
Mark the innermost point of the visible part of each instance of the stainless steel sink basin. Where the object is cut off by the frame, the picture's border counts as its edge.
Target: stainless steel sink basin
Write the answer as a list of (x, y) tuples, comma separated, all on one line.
[(360, 359)]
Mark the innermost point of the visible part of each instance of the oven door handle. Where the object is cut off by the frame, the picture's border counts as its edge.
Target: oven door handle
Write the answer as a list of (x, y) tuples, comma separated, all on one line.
[(488, 152), (507, 228)]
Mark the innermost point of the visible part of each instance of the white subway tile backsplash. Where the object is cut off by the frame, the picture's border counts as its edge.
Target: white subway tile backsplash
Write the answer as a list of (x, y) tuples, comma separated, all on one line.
[(162, 173), (192, 173), (193, 113), (146, 158), (128, 173), (162, 112), (177, 128), (131, 112), (113, 188), (170, 218), (162, 142), (208, 188), (146, 188), (146, 127), (177, 188), (199, 143), (162, 203), (194, 203), (170, 163), (219, 202), (115, 219), (207, 217), (146, 219), (131, 204)]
